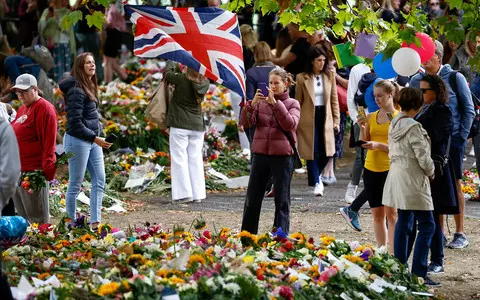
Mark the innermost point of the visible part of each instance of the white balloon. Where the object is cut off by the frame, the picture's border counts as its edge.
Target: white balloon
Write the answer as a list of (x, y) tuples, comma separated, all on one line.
[(406, 61)]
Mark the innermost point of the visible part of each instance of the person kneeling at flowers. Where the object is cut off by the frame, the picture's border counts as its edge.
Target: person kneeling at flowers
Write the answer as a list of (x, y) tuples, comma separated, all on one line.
[(274, 116), (35, 127), (82, 137), (407, 187)]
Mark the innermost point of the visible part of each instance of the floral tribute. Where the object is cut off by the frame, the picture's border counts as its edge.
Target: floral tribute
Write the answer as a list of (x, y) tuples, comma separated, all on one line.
[(471, 184), (70, 261)]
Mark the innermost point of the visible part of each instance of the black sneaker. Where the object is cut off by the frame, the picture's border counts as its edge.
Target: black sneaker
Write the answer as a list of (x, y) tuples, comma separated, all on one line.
[(430, 283), (445, 241), (459, 241), (435, 268)]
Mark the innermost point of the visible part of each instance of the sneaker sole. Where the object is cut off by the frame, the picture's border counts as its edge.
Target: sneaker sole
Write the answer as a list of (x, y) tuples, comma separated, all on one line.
[(463, 247), (437, 273), (347, 218)]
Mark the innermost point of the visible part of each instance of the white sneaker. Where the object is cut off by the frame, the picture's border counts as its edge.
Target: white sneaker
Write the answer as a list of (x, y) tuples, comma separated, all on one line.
[(318, 189), (472, 152), (351, 193)]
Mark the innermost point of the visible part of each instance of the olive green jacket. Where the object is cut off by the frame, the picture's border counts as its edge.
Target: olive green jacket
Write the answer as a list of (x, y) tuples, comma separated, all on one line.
[(185, 107)]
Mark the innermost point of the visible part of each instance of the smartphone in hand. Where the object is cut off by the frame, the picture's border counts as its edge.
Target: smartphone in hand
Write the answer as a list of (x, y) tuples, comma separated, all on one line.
[(111, 138), (263, 86)]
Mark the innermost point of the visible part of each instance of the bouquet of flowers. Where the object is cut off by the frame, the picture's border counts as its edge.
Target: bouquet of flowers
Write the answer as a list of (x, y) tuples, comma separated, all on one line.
[(34, 181)]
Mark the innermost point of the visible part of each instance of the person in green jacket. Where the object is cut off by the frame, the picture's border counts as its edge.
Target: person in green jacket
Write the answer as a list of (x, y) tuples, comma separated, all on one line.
[(187, 129)]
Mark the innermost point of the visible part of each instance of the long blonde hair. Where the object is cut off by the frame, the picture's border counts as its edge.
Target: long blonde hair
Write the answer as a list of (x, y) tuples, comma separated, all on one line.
[(249, 36)]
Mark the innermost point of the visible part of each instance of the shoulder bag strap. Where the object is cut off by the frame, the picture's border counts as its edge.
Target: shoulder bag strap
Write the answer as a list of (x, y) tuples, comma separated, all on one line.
[(287, 135)]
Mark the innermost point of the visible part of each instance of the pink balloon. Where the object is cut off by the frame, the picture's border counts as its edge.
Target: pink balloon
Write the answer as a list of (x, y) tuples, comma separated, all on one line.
[(427, 48)]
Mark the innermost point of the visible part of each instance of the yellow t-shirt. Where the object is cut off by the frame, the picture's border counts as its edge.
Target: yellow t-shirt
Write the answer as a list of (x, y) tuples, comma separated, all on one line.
[(378, 160)]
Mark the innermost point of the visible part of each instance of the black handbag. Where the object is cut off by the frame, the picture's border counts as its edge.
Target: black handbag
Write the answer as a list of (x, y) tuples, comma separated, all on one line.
[(441, 161)]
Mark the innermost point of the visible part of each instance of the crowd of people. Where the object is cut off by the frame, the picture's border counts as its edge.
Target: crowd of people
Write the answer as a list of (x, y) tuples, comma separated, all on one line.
[(409, 134)]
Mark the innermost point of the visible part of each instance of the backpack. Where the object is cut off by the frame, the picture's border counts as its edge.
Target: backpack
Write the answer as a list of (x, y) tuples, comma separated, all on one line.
[(41, 55), (365, 84), (474, 130)]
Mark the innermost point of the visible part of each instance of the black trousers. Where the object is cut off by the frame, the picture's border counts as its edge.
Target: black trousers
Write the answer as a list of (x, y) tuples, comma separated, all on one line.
[(9, 209), (263, 167)]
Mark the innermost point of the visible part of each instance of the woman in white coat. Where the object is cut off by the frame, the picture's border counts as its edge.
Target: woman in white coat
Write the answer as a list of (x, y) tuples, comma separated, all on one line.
[(407, 187)]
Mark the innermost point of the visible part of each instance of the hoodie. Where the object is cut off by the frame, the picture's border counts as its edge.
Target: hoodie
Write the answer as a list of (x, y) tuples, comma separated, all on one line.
[(83, 121), (462, 107), (407, 186), (185, 107)]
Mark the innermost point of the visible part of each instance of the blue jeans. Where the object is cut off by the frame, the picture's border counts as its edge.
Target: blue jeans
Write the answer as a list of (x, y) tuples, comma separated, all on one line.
[(16, 65), (86, 156), (403, 229)]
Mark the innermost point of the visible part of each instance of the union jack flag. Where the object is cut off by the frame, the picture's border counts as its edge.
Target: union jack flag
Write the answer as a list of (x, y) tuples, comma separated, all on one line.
[(204, 39)]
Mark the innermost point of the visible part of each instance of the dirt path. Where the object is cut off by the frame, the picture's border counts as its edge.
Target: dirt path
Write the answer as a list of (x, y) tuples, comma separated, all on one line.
[(460, 281)]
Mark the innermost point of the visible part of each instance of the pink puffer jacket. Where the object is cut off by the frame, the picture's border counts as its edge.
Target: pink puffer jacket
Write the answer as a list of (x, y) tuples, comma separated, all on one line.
[(269, 138)]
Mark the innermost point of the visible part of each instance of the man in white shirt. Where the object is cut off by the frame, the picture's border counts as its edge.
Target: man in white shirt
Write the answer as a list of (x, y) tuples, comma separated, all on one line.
[(356, 74)]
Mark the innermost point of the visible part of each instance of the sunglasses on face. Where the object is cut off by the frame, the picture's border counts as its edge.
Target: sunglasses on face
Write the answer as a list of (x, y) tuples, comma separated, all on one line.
[(434, 3)]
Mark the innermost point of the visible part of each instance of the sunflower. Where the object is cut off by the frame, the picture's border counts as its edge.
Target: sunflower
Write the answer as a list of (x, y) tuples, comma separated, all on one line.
[(247, 238), (199, 224), (196, 258), (136, 259), (87, 238), (327, 240), (300, 237), (162, 273), (175, 280), (108, 288), (224, 233)]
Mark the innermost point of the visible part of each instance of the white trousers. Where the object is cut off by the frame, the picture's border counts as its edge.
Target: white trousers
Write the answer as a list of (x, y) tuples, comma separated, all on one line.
[(235, 100), (188, 177)]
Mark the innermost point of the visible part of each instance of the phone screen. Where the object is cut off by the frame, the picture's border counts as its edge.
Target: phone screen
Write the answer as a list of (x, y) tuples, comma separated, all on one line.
[(263, 87)]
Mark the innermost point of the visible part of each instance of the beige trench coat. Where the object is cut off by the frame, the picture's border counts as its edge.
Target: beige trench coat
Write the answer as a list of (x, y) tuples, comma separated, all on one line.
[(407, 186), (304, 93)]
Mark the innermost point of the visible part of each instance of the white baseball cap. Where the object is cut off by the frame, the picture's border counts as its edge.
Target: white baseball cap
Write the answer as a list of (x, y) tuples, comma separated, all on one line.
[(24, 82)]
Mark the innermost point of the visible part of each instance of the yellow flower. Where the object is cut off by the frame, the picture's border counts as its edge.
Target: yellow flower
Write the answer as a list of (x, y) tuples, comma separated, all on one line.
[(162, 273), (196, 258), (136, 258), (327, 240), (322, 252), (35, 225), (125, 284), (176, 280), (87, 238), (354, 259), (293, 278), (249, 259), (298, 236), (62, 202), (247, 238), (108, 288)]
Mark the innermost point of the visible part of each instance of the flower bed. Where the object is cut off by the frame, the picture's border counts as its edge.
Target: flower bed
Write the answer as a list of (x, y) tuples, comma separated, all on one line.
[(151, 261)]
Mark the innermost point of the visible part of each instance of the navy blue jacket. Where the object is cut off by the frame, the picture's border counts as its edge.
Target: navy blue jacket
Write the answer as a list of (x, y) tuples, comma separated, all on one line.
[(437, 120), (462, 108), (257, 74), (83, 121)]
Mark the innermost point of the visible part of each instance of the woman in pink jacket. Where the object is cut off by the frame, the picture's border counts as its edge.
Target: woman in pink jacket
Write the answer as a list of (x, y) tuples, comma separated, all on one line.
[(273, 115)]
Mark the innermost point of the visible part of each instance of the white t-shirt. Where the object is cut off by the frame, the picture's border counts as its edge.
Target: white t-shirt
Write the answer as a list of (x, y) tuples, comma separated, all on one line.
[(318, 90)]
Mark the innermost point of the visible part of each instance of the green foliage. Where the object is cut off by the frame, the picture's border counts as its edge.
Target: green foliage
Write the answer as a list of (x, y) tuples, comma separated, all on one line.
[(96, 19), (71, 19)]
